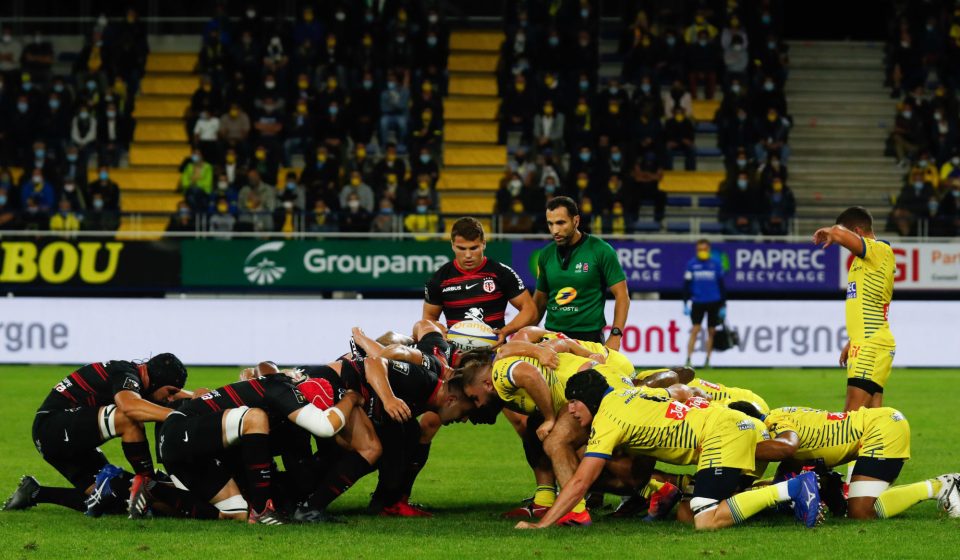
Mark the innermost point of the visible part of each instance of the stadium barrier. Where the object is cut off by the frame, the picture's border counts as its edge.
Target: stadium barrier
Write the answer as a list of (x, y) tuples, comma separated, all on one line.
[(311, 331)]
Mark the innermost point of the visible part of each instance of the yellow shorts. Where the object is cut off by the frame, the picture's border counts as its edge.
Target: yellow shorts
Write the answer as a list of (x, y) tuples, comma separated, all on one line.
[(870, 362), (886, 434), (731, 441)]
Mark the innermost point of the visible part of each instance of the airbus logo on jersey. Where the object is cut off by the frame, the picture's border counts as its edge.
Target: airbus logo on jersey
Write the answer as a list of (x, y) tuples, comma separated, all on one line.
[(565, 295), (454, 288), (852, 290)]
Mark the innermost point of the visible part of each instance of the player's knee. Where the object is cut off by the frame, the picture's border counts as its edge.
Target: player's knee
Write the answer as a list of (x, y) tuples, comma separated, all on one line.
[(371, 450), (255, 421), (861, 508), (123, 425)]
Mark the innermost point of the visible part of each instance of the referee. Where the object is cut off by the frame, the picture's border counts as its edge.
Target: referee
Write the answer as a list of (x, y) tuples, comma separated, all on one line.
[(573, 274), (703, 285)]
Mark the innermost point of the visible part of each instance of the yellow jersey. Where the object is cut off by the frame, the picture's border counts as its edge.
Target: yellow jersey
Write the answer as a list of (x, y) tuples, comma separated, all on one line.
[(517, 399), (721, 394), (835, 438), (657, 427), (617, 362), (869, 291)]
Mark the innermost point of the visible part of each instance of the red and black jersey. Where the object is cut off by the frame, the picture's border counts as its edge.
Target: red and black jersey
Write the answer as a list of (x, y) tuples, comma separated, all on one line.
[(413, 384), (274, 394), (479, 295), (95, 385)]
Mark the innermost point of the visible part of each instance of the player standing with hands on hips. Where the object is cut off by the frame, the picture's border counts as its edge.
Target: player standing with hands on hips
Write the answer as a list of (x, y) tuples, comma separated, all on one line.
[(573, 274), (868, 355), (703, 285)]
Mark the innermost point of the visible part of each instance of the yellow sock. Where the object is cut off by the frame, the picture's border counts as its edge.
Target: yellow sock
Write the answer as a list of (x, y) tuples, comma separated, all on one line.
[(650, 488), (899, 499), (580, 507), (546, 495), (752, 502)]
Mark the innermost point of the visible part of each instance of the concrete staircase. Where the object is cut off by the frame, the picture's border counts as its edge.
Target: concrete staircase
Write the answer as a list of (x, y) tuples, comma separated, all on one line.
[(842, 116), (473, 161), (160, 142)]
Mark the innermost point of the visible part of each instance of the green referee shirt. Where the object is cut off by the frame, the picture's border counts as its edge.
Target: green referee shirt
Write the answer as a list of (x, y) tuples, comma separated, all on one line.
[(576, 293)]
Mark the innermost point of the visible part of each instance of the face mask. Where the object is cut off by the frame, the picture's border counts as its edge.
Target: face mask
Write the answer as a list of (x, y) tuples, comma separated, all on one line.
[(549, 188), (367, 84), (401, 39), (923, 163), (231, 158), (671, 40), (98, 203), (584, 157), (616, 156), (421, 209), (251, 14), (69, 187), (340, 16), (54, 104), (520, 87), (71, 157), (767, 86), (702, 42), (291, 185), (391, 158), (184, 211), (391, 85), (765, 19), (222, 207), (771, 45), (742, 184), (584, 85), (907, 114), (386, 211), (613, 186), (222, 185), (353, 204), (361, 153), (40, 153), (22, 107), (432, 41), (738, 47), (270, 85), (260, 154), (3, 200), (333, 110), (680, 117), (956, 194), (27, 86), (932, 206), (91, 85), (195, 158), (37, 179), (955, 160), (937, 116), (84, 115), (584, 13), (368, 18), (104, 176), (645, 88), (7, 38), (424, 158), (58, 88), (777, 187), (553, 41), (703, 255), (515, 187)]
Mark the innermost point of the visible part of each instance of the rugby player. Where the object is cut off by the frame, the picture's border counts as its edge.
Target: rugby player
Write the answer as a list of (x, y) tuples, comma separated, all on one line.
[(868, 354), (96, 403), (720, 441), (194, 437), (879, 440)]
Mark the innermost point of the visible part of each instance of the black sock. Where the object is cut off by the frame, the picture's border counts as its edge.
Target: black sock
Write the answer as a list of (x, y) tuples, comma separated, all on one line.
[(418, 459), (66, 497), (138, 455), (182, 502), (258, 461), (350, 468)]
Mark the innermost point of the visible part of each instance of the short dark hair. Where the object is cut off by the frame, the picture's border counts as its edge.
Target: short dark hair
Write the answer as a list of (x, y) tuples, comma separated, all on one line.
[(455, 386), (747, 408), (703, 240), (856, 217), (564, 202), (468, 228)]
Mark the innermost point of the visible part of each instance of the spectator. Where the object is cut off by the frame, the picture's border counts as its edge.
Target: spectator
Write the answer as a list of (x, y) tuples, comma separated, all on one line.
[(301, 130), (268, 127), (421, 189), (292, 200), (908, 134), (773, 59), (423, 220), (385, 221), (425, 165), (741, 207), (394, 102), (232, 169), (37, 189), (511, 187), (769, 96), (943, 134), (673, 58), (224, 191), (75, 193), (648, 137), (947, 221), (99, 217), (114, 134), (107, 190), (517, 219), (736, 136), (321, 218), (196, 182), (83, 132), (913, 204), (234, 129), (612, 124), (580, 125), (222, 220), (65, 220), (34, 217), (354, 217), (641, 58), (331, 58), (389, 165), (736, 58), (206, 134), (10, 53), (516, 110), (255, 214), (72, 168), (361, 190), (266, 196), (183, 219), (927, 168), (362, 162), (265, 163), (615, 164), (54, 124), (772, 137), (427, 133), (907, 68), (128, 51), (679, 139), (677, 96), (699, 26), (9, 208), (320, 179), (781, 208), (22, 126), (644, 188), (548, 129), (773, 169), (704, 59), (365, 110)]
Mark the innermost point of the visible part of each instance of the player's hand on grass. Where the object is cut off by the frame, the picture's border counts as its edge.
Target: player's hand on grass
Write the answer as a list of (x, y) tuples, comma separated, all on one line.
[(844, 354), (526, 525), (547, 356), (545, 428), (397, 409)]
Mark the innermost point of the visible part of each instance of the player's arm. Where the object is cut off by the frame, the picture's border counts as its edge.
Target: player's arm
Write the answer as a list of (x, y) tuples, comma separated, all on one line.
[(139, 409), (431, 311), (432, 300), (540, 300), (571, 346), (780, 448), (326, 423), (369, 345), (571, 493), (660, 380), (401, 353), (620, 309), (543, 354), (376, 374), (840, 235), (528, 378), (526, 314), (530, 333)]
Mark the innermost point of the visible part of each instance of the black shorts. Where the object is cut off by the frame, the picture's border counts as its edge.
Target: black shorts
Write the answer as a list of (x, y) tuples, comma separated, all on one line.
[(717, 483), (712, 311), (186, 438), (886, 470), (436, 352), (871, 387), (69, 440)]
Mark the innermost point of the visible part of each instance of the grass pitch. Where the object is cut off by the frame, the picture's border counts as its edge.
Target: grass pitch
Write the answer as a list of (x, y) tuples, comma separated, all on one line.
[(476, 472)]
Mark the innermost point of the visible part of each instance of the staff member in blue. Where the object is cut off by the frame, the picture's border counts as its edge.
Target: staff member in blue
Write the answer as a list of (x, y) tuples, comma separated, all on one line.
[(703, 285)]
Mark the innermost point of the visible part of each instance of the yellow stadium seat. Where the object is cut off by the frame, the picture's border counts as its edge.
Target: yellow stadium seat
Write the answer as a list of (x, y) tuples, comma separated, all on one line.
[(469, 180), (169, 106), (466, 131), (169, 84), (486, 62), (153, 225), (158, 154), (466, 204), (471, 84), (171, 62), (476, 40), (470, 108), (691, 181), (156, 130), (704, 110), (475, 155), (140, 179), (150, 202)]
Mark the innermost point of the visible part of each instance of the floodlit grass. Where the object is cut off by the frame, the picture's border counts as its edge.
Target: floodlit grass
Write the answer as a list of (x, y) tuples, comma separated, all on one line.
[(476, 472)]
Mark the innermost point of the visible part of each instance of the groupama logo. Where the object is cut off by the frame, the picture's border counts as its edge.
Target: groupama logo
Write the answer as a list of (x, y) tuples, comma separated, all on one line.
[(265, 271)]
